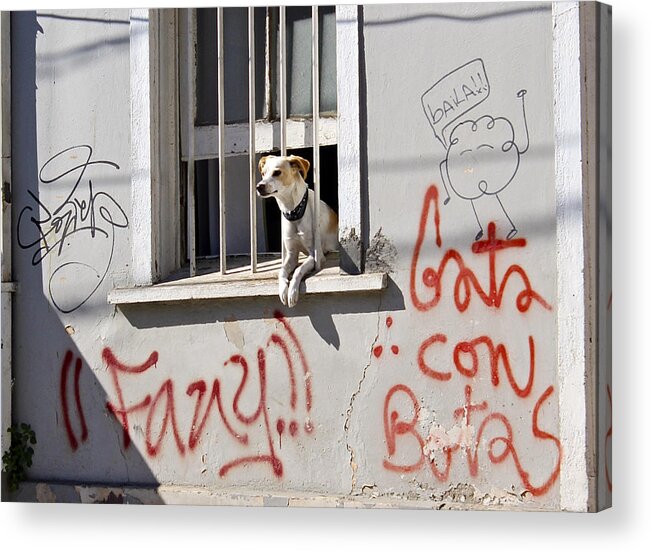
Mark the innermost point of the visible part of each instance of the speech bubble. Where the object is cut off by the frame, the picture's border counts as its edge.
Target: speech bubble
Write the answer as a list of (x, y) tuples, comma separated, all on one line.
[(454, 95)]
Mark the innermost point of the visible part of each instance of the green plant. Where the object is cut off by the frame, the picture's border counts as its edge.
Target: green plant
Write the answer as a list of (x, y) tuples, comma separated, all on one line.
[(18, 458)]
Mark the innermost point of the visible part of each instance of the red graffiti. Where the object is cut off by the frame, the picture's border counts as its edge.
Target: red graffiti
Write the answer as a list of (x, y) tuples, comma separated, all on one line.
[(424, 367), (394, 428), (63, 392), (160, 408), (378, 350), (271, 458), (498, 356), (198, 425), (466, 281), (116, 366), (293, 428), (499, 448), (299, 349), (479, 429)]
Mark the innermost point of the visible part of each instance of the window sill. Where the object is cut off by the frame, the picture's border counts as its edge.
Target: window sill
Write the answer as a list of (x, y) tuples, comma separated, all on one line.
[(8, 287), (239, 283)]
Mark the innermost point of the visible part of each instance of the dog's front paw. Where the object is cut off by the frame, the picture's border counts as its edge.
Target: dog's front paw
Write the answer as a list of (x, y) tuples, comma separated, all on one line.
[(292, 296), (283, 288)]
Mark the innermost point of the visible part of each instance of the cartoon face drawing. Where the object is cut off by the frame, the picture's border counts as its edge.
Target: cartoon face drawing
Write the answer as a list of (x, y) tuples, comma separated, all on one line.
[(482, 158), (482, 155)]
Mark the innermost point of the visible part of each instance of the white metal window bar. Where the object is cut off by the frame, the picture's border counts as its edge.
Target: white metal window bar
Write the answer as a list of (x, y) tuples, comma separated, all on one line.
[(221, 127), (190, 116), (282, 79), (252, 163), (316, 161), (282, 87), (221, 130)]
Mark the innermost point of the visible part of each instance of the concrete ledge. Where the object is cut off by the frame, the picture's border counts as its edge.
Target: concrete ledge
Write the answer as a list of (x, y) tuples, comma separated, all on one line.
[(59, 492), (220, 288)]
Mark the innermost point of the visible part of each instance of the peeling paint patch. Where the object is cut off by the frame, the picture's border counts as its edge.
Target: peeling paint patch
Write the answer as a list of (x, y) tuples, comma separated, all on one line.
[(424, 415), (381, 254), (317, 502), (370, 491), (112, 498), (350, 239), (279, 501), (463, 495), (100, 495), (44, 494), (234, 333), (440, 439), (463, 492)]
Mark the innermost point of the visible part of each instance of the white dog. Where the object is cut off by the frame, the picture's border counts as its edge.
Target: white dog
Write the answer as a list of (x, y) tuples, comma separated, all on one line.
[(283, 179)]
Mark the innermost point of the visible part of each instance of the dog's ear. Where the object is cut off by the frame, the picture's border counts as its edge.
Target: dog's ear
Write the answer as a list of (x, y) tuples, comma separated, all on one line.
[(303, 165), (262, 162)]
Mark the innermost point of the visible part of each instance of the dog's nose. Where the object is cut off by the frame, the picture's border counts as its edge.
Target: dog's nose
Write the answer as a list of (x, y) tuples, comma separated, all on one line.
[(260, 187)]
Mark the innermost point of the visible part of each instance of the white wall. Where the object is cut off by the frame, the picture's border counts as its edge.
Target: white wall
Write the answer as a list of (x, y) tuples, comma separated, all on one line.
[(357, 359)]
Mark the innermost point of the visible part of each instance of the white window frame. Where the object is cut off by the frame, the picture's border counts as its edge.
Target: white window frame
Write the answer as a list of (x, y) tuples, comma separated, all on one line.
[(156, 168), (8, 287)]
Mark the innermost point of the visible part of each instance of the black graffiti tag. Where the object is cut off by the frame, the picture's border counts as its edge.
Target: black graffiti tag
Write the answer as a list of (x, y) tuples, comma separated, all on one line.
[(81, 227)]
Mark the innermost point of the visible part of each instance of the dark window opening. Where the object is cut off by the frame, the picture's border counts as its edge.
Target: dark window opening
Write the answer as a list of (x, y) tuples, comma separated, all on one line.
[(267, 59), (237, 204), (329, 193)]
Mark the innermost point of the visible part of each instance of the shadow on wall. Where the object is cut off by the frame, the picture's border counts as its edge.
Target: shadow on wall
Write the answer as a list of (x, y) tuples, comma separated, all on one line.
[(77, 57), (474, 18), (320, 309), (56, 390)]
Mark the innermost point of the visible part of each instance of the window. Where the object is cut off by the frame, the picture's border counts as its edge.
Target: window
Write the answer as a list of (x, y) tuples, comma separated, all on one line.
[(180, 238), (203, 238)]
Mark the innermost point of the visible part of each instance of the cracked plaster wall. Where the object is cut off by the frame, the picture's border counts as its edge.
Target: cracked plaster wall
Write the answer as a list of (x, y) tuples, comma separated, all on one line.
[(347, 352)]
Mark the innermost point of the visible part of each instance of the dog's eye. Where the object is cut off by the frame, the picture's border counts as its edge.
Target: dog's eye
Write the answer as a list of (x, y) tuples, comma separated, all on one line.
[(277, 172)]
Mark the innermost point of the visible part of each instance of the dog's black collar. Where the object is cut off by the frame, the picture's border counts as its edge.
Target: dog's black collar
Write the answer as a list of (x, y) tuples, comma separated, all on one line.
[(298, 211)]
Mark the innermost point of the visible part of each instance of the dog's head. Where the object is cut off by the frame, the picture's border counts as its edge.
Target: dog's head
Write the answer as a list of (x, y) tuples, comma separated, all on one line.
[(280, 174)]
